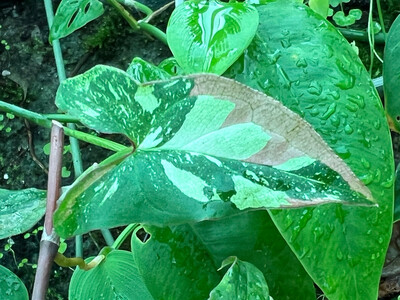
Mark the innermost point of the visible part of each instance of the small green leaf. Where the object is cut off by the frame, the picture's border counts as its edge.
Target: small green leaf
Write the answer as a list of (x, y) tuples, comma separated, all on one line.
[(65, 173), (391, 75), (142, 71), (208, 36), (342, 20), (72, 15), (11, 287), (116, 277), (241, 281), (46, 149), (20, 210)]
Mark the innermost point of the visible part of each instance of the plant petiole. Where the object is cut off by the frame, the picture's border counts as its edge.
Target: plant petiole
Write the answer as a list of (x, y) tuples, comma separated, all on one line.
[(41, 120)]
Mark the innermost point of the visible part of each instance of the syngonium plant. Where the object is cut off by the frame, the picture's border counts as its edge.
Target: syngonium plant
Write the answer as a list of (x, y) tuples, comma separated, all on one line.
[(233, 172)]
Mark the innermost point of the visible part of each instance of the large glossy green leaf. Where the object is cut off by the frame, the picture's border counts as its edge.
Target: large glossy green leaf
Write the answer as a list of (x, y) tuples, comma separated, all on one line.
[(117, 277), (205, 129), (72, 15), (11, 287), (186, 257), (241, 281), (208, 36), (313, 70), (20, 210), (391, 74)]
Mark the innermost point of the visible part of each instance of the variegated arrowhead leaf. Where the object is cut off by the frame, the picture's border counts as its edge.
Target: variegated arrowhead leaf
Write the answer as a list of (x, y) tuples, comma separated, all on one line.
[(204, 142)]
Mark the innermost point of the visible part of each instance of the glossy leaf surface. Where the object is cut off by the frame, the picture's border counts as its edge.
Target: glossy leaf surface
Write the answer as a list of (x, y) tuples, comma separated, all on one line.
[(254, 238), (205, 129), (208, 36), (72, 15), (178, 259), (241, 281), (391, 75), (20, 210), (186, 257), (117, 277), (142, 71), (313, 70), (11, 287)]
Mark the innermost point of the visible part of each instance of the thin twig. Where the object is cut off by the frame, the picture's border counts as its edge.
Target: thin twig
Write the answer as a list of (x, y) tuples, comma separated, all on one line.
[(31, 147), (158, 11)]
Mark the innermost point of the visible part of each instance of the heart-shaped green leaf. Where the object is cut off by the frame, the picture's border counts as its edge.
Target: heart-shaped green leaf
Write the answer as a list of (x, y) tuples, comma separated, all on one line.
[(11, 287), (72, 15), (313, 70), (182, 124), (208, 36), (116, 277), (20, 210), (391, 75), (241, 281)]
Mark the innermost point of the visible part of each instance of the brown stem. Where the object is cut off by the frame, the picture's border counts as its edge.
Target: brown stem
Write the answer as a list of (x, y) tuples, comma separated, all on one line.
[(50, 241)]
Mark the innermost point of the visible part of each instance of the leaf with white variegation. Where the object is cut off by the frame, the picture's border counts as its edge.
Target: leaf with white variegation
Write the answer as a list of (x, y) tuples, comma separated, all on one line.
[(209, 35), (241, 281), (204, 142)]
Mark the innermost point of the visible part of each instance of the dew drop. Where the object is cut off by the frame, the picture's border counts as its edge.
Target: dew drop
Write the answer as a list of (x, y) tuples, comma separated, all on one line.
[(348, 129)]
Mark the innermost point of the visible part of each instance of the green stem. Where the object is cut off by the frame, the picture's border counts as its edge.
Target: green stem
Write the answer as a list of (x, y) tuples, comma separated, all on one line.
[(124, 234), (44, 122), (137, 5), (371, 37), (26, 114), (154, 31), (137, 25), (378, 5), (125, 14), (61, 118), (361, 35), (107, 237), (75, 150)]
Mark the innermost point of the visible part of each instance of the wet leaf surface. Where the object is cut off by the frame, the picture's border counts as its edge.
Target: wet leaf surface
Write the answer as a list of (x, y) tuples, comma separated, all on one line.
[(11, 287), (313, 70), (20, 210), (204, 150), (117, 277)]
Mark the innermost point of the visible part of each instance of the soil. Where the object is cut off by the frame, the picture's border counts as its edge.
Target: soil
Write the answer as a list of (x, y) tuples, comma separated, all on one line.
[(28, 78)]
